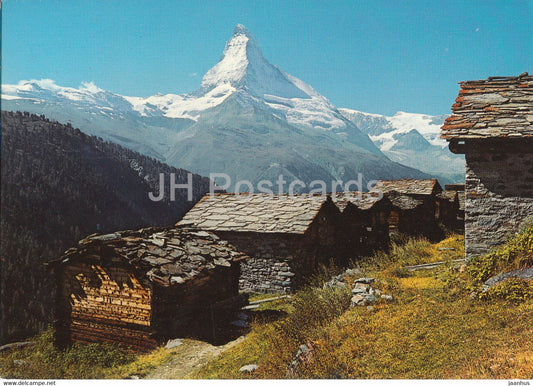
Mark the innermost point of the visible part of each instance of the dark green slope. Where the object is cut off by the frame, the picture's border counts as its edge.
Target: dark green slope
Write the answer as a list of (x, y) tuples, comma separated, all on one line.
[(59, 185)]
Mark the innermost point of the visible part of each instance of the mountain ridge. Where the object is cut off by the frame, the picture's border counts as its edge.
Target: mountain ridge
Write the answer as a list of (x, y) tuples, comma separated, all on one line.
[(246, 116), (422, 149)]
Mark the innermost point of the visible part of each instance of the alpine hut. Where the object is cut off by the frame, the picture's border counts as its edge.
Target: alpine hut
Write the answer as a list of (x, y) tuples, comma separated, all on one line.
[(492, 124), (285, 236), (140, 288)]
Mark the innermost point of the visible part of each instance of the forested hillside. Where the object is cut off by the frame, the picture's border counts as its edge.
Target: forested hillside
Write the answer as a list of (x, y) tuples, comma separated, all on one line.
[(59, 185)]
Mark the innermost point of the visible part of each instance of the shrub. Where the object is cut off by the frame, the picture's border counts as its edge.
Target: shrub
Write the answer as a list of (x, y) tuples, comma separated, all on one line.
[(312, 308), (513, 289), (410, 252), (399, 238), (516, 253), (323, 273)]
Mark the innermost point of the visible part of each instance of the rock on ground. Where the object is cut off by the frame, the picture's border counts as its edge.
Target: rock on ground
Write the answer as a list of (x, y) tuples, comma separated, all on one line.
[(174, 343), (304, 354), (338, 281), (363, 292), (524, 273), (365, 280), (248, 368)]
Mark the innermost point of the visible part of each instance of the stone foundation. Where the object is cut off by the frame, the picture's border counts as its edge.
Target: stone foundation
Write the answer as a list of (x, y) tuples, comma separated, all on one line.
[(277, 262), (266, 275)]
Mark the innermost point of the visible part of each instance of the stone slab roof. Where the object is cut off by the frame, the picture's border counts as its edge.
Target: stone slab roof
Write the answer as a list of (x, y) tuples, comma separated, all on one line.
[(363, 201), (404, 201), (259, 213), (409, 186), (455, 187), (167, 255), (497, 107), (449, 195)]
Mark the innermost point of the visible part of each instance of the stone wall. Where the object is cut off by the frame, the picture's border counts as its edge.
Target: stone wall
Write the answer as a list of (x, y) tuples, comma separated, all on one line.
[(499, 192), (271, 265), (281, 262)]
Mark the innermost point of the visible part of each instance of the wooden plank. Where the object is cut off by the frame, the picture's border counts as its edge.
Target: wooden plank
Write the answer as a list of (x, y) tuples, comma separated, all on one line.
[(432, 265), (16, 345), (270, 299)]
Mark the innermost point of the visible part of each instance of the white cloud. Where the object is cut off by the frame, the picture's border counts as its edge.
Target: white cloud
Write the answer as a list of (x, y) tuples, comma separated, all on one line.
[(90, 86), (47, 84)]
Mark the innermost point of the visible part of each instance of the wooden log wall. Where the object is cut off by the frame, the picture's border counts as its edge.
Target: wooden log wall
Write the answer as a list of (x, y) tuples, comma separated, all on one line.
[(190, 308), (394, 222), (98, 304)]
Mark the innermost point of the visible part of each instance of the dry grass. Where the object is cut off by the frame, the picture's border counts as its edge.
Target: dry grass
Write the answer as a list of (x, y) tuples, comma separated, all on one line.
[(431, 330), (413, 251), (424, 335), (142, 364)]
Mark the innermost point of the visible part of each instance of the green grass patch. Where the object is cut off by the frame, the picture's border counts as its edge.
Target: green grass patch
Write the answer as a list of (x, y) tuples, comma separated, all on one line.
[(515, 254), (513, 289), (79, 361)]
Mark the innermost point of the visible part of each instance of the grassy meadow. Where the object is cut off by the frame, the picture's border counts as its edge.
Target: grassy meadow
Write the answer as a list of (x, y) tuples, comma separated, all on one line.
[(440, 324)]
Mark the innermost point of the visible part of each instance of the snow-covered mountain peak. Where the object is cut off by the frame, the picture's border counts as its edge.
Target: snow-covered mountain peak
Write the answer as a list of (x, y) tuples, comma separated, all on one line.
[(90, 87), (33, 85), (242, 30), (246, 116), (243, 67), (49, 86), (385, 131)]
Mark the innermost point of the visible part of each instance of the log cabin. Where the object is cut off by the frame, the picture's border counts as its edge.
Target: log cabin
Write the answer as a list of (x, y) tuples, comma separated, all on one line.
[(285, 236), (492, 125), (416, 207), (140, 288), (459, 189), (364, 222), (449, 210)]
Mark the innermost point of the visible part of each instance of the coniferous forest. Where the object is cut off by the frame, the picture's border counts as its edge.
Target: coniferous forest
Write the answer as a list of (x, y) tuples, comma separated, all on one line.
[(58, 186)]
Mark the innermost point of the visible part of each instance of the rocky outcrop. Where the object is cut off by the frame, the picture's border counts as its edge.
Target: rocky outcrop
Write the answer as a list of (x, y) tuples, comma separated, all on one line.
[(524, 273), (364, 292), (339, 282)]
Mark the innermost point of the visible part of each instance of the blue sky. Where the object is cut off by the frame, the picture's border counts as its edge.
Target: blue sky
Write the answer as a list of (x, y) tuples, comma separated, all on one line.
[(371, 55)]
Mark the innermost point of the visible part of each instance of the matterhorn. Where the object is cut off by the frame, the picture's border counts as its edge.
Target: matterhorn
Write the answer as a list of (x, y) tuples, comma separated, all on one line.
[(248, 119)]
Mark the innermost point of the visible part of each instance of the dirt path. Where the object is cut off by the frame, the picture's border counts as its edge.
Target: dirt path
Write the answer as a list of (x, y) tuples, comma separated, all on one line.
[(190, 356)]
